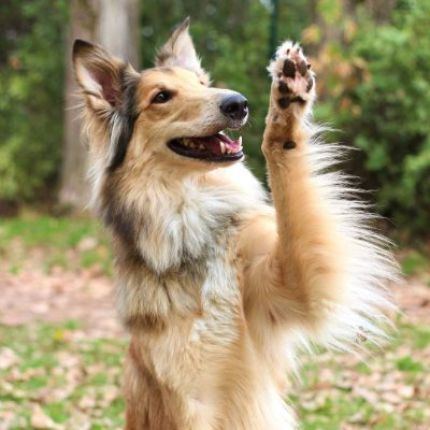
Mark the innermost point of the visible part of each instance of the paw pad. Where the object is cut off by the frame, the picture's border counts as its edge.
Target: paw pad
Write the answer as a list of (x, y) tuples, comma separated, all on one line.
[(289, 144), (283, 87), (302, 67), (292, 75), (284, 102), (289, 69)]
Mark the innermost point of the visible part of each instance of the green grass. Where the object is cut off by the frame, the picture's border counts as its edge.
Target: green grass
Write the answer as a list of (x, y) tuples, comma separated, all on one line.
[(68, 378), (415, 262), (385, 392), (408, 364), (72, 378), (61, 240), (66, 243), (419, 336), (76, 380), (61, 233)]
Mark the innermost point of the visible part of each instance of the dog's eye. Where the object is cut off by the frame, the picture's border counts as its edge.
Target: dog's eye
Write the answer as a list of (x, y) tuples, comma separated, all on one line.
[(162, 97)]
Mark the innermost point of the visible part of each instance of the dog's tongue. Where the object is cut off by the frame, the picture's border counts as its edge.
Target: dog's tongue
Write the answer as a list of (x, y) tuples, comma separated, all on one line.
[(220, 144)]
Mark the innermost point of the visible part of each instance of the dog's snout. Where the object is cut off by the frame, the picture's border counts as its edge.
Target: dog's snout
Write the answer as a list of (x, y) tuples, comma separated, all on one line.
[(234, 106)]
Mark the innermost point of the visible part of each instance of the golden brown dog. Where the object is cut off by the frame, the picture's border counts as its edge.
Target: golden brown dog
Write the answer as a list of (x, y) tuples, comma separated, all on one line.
[(217, 287)]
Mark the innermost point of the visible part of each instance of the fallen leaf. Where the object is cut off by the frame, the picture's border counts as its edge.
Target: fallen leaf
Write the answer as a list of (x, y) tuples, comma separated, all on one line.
[(8, 358)]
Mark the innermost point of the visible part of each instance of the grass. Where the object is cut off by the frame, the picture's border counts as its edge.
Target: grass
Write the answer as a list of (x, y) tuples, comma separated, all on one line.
[(74, 243), (414, 262), (69, 379), (40, 230), (77, 380), (66, 243), (389, 391)]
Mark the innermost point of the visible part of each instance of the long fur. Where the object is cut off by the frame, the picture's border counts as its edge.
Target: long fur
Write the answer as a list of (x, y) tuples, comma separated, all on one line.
[(219, 283), (370, 265)]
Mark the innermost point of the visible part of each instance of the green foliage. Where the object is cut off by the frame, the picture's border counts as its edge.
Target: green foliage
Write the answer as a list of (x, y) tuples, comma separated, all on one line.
[(384, 110), (31, 86), (373, 85)]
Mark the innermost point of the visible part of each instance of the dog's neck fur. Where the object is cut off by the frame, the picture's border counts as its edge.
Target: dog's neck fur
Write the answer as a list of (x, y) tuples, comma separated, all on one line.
[(174, 230), (170, 220)]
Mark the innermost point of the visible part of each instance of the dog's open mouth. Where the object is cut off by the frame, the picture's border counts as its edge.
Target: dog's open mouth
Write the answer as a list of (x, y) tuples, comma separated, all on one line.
[(218, 147)]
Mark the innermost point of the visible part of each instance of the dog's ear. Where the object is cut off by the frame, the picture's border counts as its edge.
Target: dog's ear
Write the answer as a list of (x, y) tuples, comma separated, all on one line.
[(102, 78), (179, 51)]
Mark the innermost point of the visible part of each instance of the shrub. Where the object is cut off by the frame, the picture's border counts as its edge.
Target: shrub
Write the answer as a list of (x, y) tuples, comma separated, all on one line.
[(373, 85), (386, 113), (31, 87)]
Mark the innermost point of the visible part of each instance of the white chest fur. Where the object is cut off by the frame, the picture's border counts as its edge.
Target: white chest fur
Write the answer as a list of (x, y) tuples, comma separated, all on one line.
[(183, 235)]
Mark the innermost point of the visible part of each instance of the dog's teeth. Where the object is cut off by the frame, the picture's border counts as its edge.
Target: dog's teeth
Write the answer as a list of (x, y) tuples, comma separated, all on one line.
[(240, 141), (222, 147)]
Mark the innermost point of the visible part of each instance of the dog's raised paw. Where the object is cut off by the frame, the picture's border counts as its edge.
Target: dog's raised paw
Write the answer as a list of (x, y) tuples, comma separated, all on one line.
[(293, 78)]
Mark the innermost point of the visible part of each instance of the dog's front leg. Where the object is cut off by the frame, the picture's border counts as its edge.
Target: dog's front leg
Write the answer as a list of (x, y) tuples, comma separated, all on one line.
[(305, 264)]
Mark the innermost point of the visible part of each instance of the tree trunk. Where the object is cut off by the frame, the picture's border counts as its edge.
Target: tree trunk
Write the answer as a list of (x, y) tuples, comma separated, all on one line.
[(113, 24)]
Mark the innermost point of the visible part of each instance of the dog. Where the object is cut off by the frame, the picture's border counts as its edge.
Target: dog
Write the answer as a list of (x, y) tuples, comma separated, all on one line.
[(219, 285)]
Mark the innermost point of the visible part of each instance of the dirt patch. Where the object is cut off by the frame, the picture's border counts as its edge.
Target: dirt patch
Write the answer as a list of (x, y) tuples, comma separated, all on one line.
[(413, 298), (86, 297)]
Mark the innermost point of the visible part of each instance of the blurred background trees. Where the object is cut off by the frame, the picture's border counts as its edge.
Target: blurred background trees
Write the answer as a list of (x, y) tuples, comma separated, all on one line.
[(113, 24), (372, 57)]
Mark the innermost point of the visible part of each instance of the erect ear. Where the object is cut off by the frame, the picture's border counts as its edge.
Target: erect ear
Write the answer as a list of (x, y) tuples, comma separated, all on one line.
[(179, 51), (102, 78)]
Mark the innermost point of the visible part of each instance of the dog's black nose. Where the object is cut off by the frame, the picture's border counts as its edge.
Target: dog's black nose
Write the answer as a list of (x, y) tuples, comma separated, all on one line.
[(234, 106)]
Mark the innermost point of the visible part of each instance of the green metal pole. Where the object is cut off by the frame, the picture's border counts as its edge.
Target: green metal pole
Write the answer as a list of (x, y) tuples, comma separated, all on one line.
[(273, 39)]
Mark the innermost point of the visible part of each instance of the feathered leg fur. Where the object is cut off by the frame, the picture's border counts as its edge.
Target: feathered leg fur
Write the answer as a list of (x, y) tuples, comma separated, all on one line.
[(320, 268)]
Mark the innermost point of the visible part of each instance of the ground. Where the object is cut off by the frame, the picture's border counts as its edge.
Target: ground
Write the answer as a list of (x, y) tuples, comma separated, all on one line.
[(61, 348)]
